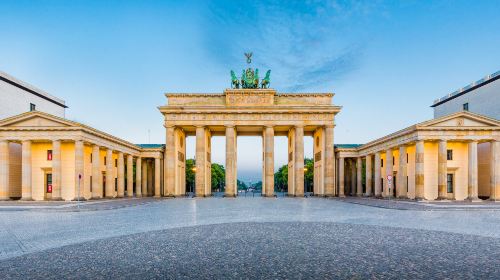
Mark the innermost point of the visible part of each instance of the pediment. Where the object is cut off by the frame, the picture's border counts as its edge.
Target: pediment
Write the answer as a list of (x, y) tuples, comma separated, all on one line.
[(35, 120), (462, 119)]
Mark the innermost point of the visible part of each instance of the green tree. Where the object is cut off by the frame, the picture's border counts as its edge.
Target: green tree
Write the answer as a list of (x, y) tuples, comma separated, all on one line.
[(190, 166), (308, 174), (218, 177), (241, 185), (281, 178)]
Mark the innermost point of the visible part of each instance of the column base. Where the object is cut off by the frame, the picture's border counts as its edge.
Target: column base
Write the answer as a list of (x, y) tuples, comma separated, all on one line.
[(95, 198), (367, 194), (5, 199), (56, 199), (138, 195), (26, 199), (269, 195), (79, 199), (359, 194), (109, 197), (229, 195), (494, 199)]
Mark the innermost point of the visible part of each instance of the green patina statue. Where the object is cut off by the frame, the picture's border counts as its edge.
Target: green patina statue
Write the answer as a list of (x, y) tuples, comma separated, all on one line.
[(266, 81), (249, 77), (235, 83)]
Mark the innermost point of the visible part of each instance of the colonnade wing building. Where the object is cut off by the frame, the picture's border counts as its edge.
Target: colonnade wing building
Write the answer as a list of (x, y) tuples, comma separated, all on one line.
[(47, 157)]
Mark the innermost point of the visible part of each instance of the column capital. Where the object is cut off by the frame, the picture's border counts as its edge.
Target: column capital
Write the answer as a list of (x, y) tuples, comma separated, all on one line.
[(329, 126), (301, 125), (229, 126)]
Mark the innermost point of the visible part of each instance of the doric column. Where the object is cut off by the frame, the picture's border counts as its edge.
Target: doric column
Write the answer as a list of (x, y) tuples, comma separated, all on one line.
[(79, 170), (96, 173), (442, 168), (201, 154), (138, 177), (121, 176), (472, 189), (388, 186), (157, 177), (150, 177), (495, 170), (359, 177), (130, 175), (230, 190), (341, 177), (369, 181), (353, 177), (402, 187), (169, 165), (144, 183), (4, 170), (269, 161), (378, 187), (299, 160), (110, 177), (419, 170), (56, 170), (329, 179), (26, 171)]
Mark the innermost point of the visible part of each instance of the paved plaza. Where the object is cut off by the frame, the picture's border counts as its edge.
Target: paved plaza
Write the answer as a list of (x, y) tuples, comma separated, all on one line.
[(250, 237)]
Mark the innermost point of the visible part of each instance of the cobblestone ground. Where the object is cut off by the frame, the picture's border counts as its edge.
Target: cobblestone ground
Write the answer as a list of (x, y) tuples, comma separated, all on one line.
[(247, 238)]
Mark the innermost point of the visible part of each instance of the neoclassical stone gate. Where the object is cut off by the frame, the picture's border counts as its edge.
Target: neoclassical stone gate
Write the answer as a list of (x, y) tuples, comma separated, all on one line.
[(238, 112)]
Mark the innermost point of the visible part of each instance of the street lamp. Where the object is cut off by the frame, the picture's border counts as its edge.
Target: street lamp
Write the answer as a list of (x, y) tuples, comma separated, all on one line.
[(305, 182)]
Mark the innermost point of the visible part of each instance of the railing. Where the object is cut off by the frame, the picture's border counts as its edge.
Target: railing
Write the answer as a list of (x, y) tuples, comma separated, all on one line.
[(473, 84)]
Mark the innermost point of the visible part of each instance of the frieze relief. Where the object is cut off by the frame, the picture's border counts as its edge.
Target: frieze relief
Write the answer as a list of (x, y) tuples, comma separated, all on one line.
[(253, 117)]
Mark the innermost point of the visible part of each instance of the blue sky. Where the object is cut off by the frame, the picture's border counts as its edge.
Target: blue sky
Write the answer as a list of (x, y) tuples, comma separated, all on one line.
[(386, 61)]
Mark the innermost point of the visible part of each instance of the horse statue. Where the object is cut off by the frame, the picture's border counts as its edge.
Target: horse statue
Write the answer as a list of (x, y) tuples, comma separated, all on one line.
[(267, 80), (235, 83)]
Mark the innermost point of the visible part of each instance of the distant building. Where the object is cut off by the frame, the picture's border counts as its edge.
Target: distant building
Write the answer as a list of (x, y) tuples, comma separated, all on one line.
[(18, 97), (481, 97)]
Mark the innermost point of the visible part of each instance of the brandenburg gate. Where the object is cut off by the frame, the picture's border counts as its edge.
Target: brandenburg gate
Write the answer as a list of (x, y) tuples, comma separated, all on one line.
[(249, 111)]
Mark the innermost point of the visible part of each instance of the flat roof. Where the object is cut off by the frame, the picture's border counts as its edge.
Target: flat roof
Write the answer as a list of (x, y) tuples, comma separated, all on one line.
[(31, 89), (470, 87)]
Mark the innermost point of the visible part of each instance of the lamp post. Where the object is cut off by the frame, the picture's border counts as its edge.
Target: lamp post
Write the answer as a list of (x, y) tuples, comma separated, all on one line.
[(305, 182), (191, 187)]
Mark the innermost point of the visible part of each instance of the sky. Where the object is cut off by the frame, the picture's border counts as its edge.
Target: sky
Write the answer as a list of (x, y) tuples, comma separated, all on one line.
[(386, 61)]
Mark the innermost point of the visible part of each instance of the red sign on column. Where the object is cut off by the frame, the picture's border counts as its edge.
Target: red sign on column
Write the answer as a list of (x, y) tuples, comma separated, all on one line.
[(49, 188)]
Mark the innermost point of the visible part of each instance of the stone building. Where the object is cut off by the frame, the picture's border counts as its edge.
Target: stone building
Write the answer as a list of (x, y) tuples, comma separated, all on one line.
[(452, 157), (480, 97), (46, 157), (17, 97)]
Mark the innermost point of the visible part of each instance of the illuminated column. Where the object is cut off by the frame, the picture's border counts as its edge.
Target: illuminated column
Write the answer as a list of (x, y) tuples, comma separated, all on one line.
[(130, 175), (329, 180), (442, 168), (378, 179), (231, 188), (79, 170), (157, 169), (359, 183), (26, 171), (56, 170), (402, 187), (419, 170), (388, 186), (201, 154), (472, 176), (341, 177), (299, 160), (4, 170), (144, 184), (110, 177), (495, 170), (369, 180), (121, 176), (138, 177), (269, 161), (96, 173), (169, 163)]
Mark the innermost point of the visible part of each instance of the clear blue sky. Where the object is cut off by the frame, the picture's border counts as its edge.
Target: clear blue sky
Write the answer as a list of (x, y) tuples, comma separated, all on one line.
[(385, 61)]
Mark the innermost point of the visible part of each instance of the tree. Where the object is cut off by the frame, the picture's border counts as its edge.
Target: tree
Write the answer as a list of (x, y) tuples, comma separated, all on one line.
[(218, 177), (281, 178), (308, 174), (241, 185), (190, 165)]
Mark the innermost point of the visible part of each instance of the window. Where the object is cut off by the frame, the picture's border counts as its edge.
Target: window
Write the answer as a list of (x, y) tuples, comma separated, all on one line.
[(90, 183), (449, 181), (393, 160), (90, 158), (116, 162), (104, 160), (449, 154), (48, 180), (381, 162), (32, 107), (49, 154), (116, 184), (406, 158), (465, 106), (407, 184)]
